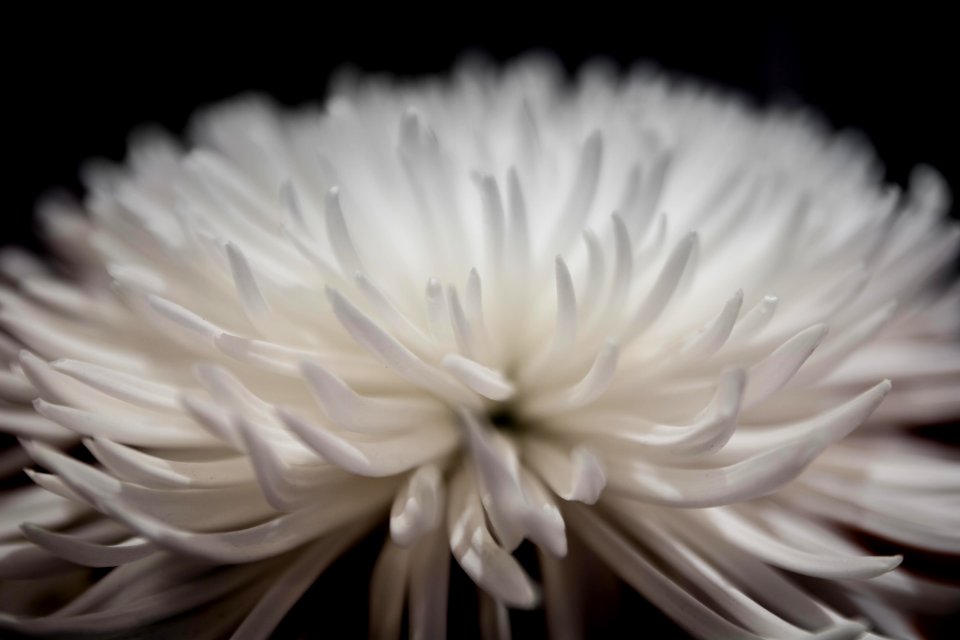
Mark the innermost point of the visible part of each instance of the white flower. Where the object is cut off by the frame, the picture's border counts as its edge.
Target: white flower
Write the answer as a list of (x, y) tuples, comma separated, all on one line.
[(637, 313)]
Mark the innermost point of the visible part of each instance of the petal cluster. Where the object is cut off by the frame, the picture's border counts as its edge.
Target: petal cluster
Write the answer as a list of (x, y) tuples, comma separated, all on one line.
[(638, 323)]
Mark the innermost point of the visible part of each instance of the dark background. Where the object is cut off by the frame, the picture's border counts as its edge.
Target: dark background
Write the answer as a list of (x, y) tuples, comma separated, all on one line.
[(75, 85)]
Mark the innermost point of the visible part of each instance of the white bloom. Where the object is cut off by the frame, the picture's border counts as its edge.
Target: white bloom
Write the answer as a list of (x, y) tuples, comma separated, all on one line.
[(633, 312)]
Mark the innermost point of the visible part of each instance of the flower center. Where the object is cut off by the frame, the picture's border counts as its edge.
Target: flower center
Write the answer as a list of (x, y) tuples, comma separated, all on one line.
[(504, 417)]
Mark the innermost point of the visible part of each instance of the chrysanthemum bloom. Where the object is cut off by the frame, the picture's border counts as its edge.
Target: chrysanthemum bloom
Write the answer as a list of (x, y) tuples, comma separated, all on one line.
[(635, 315)]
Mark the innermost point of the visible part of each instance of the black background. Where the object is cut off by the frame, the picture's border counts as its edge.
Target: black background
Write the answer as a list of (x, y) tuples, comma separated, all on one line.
[(75, 85)]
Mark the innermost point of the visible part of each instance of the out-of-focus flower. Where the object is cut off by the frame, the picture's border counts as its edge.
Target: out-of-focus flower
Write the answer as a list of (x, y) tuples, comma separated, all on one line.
[(490, 309)]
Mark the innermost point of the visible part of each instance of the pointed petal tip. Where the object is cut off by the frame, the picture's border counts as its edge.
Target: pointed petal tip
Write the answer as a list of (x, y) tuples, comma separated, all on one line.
[(590, 477), (27, 358), (478, 378)]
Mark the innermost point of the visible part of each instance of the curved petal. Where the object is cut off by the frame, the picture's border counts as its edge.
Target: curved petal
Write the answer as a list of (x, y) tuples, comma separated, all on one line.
[(85, 553), (492, 568)]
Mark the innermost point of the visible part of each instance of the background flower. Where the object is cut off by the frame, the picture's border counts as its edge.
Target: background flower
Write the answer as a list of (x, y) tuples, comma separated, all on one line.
[(588, 147)]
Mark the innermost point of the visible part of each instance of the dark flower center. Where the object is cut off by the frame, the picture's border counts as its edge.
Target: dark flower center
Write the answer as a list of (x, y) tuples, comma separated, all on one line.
[(504, 417)]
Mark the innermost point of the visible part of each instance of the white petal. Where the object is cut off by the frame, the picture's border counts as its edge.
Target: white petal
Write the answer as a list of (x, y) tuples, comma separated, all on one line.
[(28, 424), (518, 236), (494, 219), (598, 378), (152, 471), (417, 506), (516, 508), (429, 578), (492, 568), (142, 611), (623, 557), (566, 323), (394, 354), (353, 412), (664, 288), (387, 590), (580, 200), (487, 382), (827, 427), (372, 456), (715, 335), (699, 572), (15, 387), (271, 470), (578, 475), (750, 538), (184, 318), (352, 503), (172, 433), (710, 430), (388, 312), (254, 304), (757, 476), (85, 553), (123, 386), (769, 376), (339, 235), (755, 320)]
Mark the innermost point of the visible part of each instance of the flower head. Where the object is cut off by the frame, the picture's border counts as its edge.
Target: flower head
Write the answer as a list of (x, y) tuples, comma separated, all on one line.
[(639, 314)]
